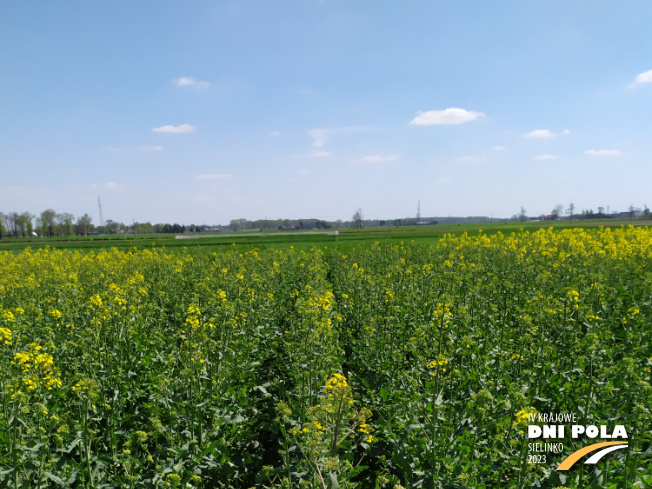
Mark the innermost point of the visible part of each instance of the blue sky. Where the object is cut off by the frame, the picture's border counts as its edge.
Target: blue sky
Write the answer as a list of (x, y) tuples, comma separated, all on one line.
[(206, 111)]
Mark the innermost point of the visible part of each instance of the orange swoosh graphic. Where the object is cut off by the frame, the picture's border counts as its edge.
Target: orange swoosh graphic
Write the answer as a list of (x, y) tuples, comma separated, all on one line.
[(575, 456)]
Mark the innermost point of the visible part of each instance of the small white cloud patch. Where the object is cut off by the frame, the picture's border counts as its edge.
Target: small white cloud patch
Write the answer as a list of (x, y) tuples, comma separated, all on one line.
[(602, 152), (540, 134), (546, 157), (642, 78), (180, 129), (187, 81), (450, 116), (499, 148), (152, 148)]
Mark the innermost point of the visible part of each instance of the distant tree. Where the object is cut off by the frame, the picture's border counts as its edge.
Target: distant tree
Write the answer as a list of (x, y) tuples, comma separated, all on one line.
[(28, 222), (13, 224), (631, 211), (3, 230), (522, 215), (557, 211), (600, 211), (46, 222), (238, 224), (646, 212), (142, 228), (322, 225), (357, 218), (83, 224), (111, 227), (570, 210), (64, 222)]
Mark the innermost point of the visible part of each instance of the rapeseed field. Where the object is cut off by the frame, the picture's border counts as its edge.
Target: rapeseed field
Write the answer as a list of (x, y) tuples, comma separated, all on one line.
[(385, 366)]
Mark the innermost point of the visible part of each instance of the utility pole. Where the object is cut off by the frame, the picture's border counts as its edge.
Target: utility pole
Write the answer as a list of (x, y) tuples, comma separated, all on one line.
[(99, 204)]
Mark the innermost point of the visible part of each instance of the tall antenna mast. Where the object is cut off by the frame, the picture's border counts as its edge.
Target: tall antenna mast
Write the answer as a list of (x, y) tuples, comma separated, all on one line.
[(99, 204), (418, 211)]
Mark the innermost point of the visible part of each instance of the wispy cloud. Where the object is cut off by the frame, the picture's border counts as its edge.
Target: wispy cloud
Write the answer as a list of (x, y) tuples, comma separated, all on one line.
[(546, 157), (182, 128), (214, 176), (540, 134), (150, 148), (642, 79), (499, 148), (372, 159), (602, 152), (470, 159), (275, 133), (452, 115), (187, 81)]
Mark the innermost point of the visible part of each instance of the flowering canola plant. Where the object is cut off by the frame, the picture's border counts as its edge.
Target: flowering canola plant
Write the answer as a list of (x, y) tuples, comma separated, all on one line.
[(387, 365)]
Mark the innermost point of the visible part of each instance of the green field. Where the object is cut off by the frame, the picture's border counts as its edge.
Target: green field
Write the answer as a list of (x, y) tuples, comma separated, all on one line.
[(371, 360)]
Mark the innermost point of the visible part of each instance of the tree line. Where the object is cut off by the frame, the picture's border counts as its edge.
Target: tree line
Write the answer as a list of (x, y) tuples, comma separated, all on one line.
[(50, 223)]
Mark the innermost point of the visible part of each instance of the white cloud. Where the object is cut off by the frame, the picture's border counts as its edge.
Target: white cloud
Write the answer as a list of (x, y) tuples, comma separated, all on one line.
[(566, 131), (602, 152), (182, 128), (470, 159), (275, 133), (540, 134), (452, 115), (214, 176), (151, 148), (375, 159), (546, 157), (186, 81), (443, 180), (642, 78), (499, 148)]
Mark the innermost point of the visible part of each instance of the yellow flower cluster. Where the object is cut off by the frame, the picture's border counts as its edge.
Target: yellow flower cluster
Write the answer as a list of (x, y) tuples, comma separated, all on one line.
[(5, 336), (439, 364), (336, 386), (522, 417), (36, 368)]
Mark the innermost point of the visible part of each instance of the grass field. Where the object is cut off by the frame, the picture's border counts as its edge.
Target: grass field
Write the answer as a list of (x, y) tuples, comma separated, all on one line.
[(361, 360)]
